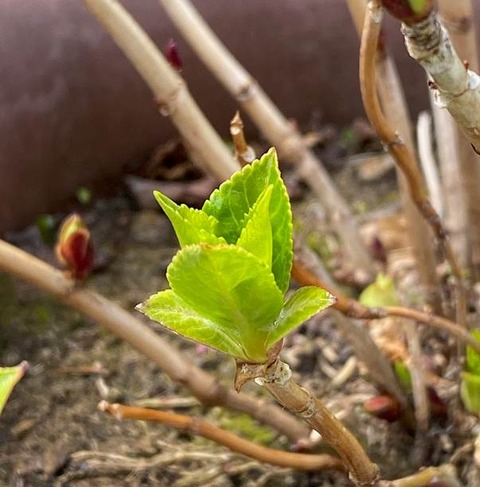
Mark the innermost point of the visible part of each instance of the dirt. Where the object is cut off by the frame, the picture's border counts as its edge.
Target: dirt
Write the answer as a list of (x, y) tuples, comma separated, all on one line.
[(52, 434)]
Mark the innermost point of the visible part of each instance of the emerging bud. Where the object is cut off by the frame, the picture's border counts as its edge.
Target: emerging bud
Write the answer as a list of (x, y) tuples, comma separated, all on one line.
[(383, 407), (74, 248), (438, 407), (409, 11), (173, 56)]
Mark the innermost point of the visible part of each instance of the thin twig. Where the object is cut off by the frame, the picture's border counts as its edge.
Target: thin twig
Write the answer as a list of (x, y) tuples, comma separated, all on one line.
[(205, 387), (244, 154), (392, 141), (200, 427), (420, 397), (352, 307)]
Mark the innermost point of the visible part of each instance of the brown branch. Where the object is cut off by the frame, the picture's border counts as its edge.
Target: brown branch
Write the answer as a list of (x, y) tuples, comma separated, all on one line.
[(394, 144), (199, 427), (205, 387), (353, 308)]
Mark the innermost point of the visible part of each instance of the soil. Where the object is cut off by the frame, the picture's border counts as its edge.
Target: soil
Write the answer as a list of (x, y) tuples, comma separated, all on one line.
[(52, 434)]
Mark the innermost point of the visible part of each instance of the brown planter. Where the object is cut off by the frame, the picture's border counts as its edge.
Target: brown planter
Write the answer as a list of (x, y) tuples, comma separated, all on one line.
[(74, 112)]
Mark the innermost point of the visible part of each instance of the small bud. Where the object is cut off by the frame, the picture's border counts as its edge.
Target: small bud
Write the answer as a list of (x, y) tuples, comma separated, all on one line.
[(383, 407), (173, 56), (409, 11), (378, 250), (438, 407), (74, 248)]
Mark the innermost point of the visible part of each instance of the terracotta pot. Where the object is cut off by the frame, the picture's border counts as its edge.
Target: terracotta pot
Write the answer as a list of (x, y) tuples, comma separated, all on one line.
[(75, 113)]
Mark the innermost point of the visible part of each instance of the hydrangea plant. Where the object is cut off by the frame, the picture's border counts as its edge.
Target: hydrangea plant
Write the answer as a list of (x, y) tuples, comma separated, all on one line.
[(229, 279)]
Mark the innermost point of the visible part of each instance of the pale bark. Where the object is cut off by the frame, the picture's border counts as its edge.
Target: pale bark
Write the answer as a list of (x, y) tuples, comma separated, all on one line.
[(130, 329), (169, 89), (271, 122), (462, 170), (456, 87), (428, 162), (395, 107)]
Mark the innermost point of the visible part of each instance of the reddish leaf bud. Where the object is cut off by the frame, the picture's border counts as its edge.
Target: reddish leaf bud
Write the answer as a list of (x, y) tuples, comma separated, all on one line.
[(378, 250), (74, 248), (409, 11), (173, 56), (383, 407), (438, 407)]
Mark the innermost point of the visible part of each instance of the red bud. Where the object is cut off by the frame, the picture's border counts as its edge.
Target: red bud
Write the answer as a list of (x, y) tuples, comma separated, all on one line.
[(438, 407), (378, 250), (383, 407), (173, 56), (74, 248)]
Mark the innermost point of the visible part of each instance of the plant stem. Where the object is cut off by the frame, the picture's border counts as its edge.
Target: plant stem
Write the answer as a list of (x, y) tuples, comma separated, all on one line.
[(277, 379), (461, 173), (130, 329), (169, 89), (456, 87), (275, 127), (397, 148), (196, 426)]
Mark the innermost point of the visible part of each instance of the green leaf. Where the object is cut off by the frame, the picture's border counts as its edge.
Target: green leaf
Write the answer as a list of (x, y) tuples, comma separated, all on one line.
[(230, 287), (191, 226), (302, 305), (231, 202), (473, 357), (171, 311), (470, 392), (380, 293), (256, 236), (9, 376)]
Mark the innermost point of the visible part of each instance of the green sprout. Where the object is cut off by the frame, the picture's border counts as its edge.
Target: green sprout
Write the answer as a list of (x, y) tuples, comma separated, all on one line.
[(229, 279), (470, 384), (380, 293)]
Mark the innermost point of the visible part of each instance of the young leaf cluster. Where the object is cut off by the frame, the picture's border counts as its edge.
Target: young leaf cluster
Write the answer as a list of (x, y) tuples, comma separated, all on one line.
[(228, 280)]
